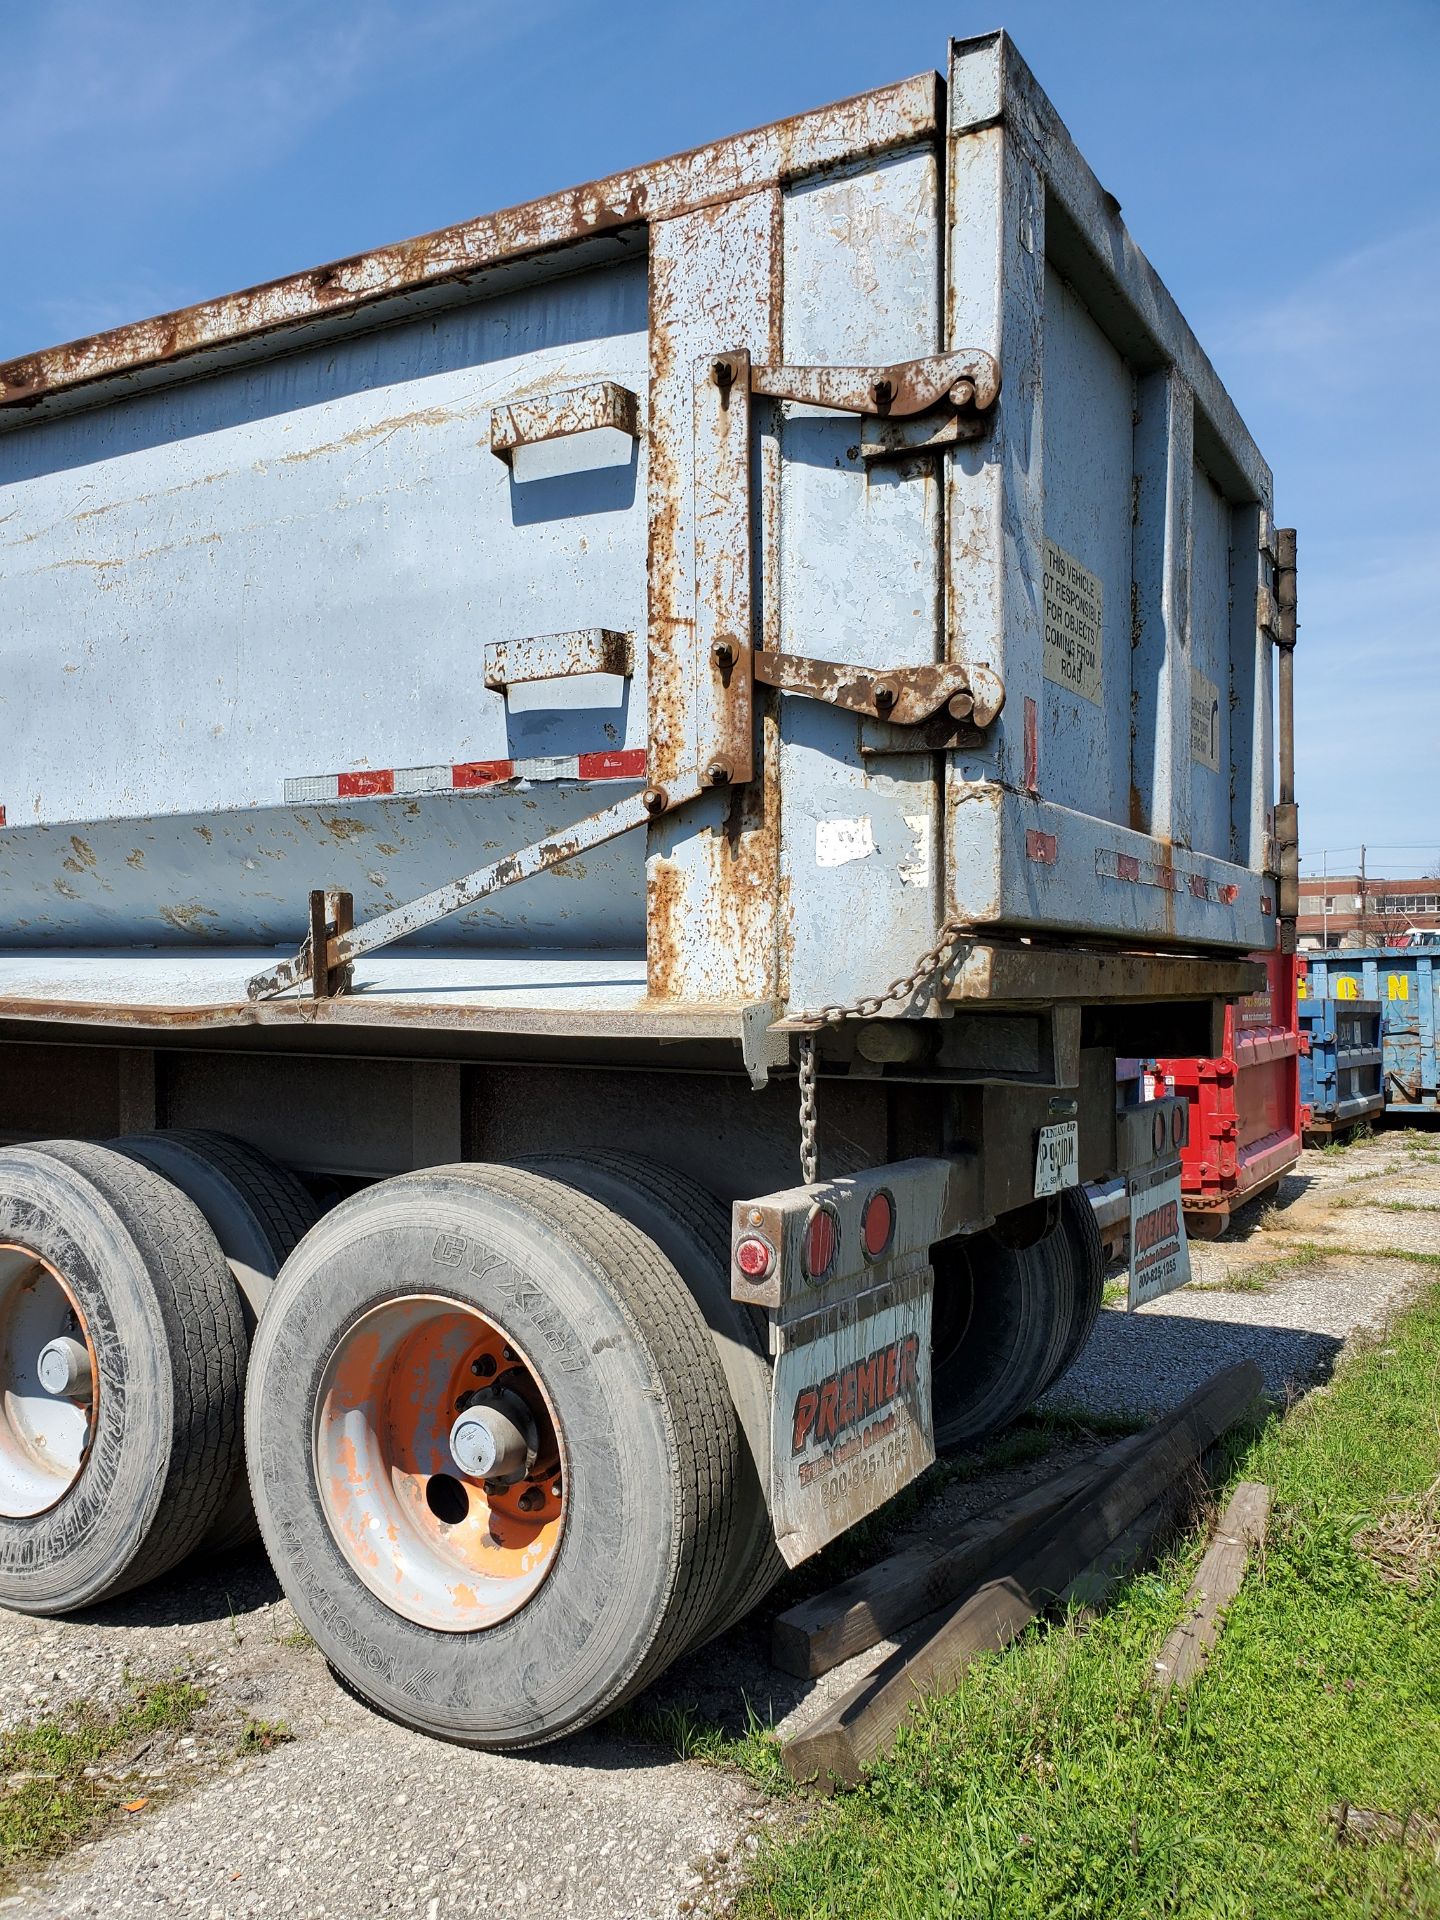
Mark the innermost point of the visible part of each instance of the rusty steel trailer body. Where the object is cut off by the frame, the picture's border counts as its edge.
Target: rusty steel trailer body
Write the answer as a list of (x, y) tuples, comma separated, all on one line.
[(487, 715)]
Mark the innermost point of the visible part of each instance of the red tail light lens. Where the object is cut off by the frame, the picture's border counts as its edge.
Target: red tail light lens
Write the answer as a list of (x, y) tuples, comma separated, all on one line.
[(754, 1257), (822, 1243), (877, 1224)]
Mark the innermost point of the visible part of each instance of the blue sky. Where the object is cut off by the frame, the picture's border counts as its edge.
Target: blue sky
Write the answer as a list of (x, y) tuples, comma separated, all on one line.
[(1279, 161)]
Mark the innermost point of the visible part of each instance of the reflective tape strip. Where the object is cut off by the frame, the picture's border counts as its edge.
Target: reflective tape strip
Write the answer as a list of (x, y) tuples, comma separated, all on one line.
[(378, 783)]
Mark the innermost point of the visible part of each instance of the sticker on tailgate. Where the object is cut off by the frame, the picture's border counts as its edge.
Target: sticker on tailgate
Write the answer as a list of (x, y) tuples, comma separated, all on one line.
[(851, 1420)]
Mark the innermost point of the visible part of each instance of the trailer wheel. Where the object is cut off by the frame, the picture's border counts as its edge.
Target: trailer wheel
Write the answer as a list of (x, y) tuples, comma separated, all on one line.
[(692, 1229), (120, 1373), (492, 1452), (259, 1212), (1002, 1316), (1081, 1231)]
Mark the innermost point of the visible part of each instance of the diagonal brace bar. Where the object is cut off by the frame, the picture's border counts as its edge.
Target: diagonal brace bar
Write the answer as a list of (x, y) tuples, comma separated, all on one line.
[(383, 931)]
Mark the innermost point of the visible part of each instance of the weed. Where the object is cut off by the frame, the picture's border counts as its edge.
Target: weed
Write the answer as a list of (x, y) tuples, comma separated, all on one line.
[(259, 1736), (60, 1777)]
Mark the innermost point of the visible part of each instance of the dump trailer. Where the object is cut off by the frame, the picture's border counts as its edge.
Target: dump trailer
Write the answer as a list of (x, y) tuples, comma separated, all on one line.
[(590, 802)]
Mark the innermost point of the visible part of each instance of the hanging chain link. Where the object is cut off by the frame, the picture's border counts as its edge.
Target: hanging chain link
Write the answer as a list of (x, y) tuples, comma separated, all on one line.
[(953, 936)]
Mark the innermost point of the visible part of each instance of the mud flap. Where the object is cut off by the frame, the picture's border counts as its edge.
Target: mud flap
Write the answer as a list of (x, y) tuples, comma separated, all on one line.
[(851, 1414)]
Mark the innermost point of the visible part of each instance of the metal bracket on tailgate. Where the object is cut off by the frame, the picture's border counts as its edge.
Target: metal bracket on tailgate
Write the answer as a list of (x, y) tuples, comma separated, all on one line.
[(903, 696), (342, 947), (960, 389)]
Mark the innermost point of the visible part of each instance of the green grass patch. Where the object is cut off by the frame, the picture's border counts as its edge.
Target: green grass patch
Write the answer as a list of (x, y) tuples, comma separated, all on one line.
[(47, 1799), (260, 1736), (1352, 1137), (686, 1733), (1258, 1276), (1052, 1785)]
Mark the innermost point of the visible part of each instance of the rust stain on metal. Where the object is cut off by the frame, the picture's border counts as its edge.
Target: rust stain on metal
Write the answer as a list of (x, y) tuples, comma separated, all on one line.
[(707, 176)]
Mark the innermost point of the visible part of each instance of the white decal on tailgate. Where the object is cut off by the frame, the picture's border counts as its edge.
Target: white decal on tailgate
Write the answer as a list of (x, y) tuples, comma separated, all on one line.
[(839, 841), (1204, 721), (1074, 624)]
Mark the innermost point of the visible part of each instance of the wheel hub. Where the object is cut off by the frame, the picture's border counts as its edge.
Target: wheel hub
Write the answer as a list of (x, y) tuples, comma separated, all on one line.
[(438, 1462), (49, 1386)]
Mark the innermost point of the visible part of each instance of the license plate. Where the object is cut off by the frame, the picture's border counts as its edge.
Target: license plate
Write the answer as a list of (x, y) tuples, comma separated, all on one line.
[(1057, 1158), (1159, 1249)]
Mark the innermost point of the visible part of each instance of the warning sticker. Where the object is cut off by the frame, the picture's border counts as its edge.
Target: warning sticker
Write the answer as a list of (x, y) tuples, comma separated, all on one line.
[(1204, 721), (1074, 624)]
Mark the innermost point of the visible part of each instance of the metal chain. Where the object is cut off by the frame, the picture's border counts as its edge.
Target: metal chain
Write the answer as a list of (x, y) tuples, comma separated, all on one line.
[(934, 960)]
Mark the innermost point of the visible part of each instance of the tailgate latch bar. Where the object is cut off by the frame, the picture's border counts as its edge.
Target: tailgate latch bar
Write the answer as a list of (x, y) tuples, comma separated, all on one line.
[(903, 696)]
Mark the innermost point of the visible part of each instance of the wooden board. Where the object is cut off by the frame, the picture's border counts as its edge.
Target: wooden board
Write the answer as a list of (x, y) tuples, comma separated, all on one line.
[(847, 1619), (834, 1750), (1218, 1578)]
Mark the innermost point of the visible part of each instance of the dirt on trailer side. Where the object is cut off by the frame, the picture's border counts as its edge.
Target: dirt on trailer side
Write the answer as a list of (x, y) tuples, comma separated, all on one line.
[(282, 1790)]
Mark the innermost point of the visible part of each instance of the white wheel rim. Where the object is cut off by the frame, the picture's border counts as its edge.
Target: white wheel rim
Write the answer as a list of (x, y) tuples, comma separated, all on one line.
[(45, 1437)]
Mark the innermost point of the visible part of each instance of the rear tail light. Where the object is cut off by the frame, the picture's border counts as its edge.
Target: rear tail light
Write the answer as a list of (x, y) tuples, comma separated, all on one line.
[(822, 1243), (877, 1224), (754, 1257)]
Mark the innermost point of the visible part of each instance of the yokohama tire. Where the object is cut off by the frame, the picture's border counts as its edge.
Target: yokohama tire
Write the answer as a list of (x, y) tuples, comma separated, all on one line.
[(692, 1229), (161, 1314), (259, 1212), (1002, 1317), (646, 1437)]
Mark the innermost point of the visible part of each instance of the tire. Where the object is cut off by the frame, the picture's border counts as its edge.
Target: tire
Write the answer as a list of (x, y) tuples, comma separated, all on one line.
[(692, 1229), (1086, 1249), (1002, 1317), (603, 1330), (259, 1212), (159, 1312)]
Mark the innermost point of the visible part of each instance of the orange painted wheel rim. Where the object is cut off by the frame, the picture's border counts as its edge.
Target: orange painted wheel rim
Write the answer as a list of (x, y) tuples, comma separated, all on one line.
[(439, 1538), (46, 1432)]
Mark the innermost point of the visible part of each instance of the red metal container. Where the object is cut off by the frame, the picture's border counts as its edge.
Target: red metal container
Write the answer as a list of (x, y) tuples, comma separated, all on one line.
[(1244, 1106)]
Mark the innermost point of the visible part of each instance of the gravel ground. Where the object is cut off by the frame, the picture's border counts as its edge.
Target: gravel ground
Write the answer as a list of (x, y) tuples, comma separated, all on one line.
[(355, 1817)]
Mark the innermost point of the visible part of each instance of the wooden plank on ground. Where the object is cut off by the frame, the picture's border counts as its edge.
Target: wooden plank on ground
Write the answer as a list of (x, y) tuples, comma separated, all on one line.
[(1217, 1581), (830, 1628), (834, 1749)]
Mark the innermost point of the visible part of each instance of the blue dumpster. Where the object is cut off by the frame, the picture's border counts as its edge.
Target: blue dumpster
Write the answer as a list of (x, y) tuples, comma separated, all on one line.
[(1405, 981), (1340, 1065)]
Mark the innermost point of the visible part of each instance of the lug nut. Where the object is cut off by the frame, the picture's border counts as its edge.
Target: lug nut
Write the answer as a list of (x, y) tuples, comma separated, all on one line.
[(531, 1500), (483, 1367)]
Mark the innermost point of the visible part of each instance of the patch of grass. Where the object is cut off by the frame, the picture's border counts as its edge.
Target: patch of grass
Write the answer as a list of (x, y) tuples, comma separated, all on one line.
[(48, 1800), (297, 1637), (687, 1734), (1260, 1275), (1054, 1783), (1415, 1258), (1353, 1137), (260, 1736)]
